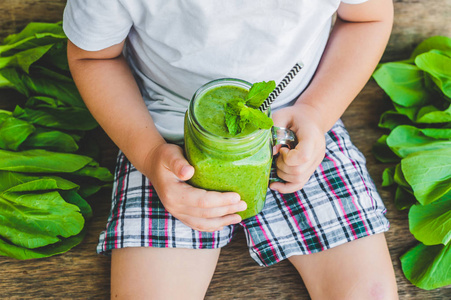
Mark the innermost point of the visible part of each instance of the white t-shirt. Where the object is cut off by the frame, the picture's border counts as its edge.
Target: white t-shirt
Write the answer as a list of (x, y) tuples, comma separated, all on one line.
[(175, 46)]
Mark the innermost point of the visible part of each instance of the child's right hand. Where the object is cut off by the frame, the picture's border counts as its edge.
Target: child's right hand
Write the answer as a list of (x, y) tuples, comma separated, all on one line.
[(202, 210)]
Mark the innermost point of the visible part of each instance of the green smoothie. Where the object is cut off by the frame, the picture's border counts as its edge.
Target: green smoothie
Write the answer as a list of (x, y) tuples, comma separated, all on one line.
[(223, 162)]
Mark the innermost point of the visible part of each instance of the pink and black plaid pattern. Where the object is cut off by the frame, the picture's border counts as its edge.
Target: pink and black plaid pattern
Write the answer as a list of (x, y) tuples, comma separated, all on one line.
[(338, 204)]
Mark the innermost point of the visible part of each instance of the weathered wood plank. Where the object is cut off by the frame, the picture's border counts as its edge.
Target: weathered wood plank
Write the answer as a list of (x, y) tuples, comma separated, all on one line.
[(416, 20), (16, 14), (82, 274)]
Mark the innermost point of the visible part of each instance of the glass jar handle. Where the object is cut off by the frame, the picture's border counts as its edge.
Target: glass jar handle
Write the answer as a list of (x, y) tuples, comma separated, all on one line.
[(283, 136)]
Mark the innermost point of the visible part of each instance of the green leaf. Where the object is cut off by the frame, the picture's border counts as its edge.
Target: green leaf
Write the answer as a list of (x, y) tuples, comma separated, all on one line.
[(390, 119), (12, 79), (382, 152), (388, 177), (428, 173), (431, 224), (427, 267), (51, 140), (37, 219), (73, 197), (62, 117), (26, 227), (404, 198), (403, 83), (89, 189), (14, 251), (438, 67), (35, 30), (437, 133), (95, 171), (232, 112), (38, 83), (259, 92), (238, 115), (256, 117), (406, 139), (24, 59), (21, 182), (409, 112), (431, 114), (400, 179), (42, 161), (57, 56), (441, 43), (5, 83), (13, 131)]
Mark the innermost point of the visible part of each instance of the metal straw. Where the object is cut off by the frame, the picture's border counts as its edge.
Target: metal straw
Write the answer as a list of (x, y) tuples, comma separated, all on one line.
[(281, 86)]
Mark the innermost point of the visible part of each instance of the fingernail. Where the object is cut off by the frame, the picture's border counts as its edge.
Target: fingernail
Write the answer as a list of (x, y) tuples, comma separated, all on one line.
[(242, 206), (237, 220), (235, 199)]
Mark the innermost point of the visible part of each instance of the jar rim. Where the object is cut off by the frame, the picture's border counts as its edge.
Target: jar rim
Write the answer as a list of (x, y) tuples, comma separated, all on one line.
[(214, 84)]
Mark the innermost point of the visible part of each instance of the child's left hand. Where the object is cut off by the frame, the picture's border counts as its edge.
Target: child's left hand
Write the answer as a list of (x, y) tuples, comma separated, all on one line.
[(295, 166)]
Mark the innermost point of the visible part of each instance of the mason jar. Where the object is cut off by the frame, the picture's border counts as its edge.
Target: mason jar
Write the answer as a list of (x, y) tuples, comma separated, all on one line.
[(227, 163)]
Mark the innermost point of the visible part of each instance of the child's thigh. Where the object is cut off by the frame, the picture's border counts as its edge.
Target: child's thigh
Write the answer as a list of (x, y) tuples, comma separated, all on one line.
[(361, 269), (161, 273)]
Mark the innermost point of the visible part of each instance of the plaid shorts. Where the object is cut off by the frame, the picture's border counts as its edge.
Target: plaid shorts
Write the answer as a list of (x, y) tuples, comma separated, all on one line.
[(337, 205)]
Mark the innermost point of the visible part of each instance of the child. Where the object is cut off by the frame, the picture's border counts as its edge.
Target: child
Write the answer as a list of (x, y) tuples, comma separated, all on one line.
[(137, 63)]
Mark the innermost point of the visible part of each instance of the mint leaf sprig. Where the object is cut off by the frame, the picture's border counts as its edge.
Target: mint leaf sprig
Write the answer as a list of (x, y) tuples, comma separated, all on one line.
[(239, 112)]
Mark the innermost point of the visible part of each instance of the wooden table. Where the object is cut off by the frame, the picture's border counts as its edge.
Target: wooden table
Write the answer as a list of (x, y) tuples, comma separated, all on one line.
[(82, 274)]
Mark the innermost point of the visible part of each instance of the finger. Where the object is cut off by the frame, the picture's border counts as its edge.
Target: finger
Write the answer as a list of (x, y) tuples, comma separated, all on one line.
[(216, 212), (288, 187), (294, 157), (276, 149), (178, 164), (289, 177), (208, 199), (186, 172), (297, 170), (210, 225)]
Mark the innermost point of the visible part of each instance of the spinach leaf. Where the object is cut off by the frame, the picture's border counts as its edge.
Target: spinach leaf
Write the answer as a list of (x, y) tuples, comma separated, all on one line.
[(34, 220), (403, 83), (42, 161), (13, 132), (431, 224), (382, 152), (428, 173), (431, 114), (42, 213), (441, 43), (93, 170), (404, 198), (34, 31), (20, 182), (438, 67), (25, 58), (62, 117), (420, 136), (427, 266), (405, 139), (391, 118), (17, 252), (39, 83), (52, 140), (388, 176)]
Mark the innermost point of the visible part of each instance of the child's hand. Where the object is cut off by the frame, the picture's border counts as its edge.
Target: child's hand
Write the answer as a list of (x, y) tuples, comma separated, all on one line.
[(295, 166), (199, 209)]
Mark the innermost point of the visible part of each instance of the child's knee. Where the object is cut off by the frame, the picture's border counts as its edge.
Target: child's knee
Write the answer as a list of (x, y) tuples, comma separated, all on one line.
[(377, 289)]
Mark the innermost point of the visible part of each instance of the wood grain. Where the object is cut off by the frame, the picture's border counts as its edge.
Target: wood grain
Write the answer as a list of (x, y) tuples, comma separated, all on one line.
[(82, 274)]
